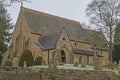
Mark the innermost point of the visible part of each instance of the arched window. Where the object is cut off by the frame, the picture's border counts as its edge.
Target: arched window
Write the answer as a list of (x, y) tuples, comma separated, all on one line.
[(75, 44), (63, 56)]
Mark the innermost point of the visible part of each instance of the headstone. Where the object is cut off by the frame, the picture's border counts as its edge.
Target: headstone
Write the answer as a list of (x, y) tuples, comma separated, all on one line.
[(76, 62), (54, 65), (25, 65), (50, 65), (110, 66), (119, 72), (119, 65), (43, 62), (83, 63), (91, 61), (15, 62), (98, 63), (115, 65)]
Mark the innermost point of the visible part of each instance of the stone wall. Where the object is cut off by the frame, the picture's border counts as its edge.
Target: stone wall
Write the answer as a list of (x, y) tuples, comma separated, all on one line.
[(55, 74)]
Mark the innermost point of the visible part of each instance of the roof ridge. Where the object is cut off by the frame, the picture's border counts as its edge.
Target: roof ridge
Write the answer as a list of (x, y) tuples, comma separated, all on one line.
[(45, 13), (91, 30)]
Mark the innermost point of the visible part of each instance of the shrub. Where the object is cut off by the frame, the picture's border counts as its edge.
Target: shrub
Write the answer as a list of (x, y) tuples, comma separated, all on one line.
[(28, 57), (1, 57), (38, 61), (8, 63)]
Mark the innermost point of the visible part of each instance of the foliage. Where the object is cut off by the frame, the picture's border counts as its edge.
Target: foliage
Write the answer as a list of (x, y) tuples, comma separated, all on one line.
[(38, 61), (117, 35), (18, 1), (1, 58), (10, 2), (105, 15), (116, 53), (116, 47), (28, 57), (5, 27), (8, 63)]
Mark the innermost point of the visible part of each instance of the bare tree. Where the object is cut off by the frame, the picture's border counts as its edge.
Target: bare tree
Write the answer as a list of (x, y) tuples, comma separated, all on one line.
[(105, 14), (20, 0), (9, 2)]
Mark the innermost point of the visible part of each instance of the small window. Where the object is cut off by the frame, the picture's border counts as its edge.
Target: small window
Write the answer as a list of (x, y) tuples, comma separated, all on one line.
[(8, 57), (75, 44), (64, 39)]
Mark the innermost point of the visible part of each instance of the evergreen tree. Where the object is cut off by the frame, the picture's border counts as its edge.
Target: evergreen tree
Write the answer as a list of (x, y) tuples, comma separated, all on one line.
[(116, 47), (5, 27), (26, 57), (117, 35), (116, 53)]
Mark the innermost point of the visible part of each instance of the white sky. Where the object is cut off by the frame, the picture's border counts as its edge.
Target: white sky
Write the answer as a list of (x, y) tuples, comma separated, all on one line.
[(71, 9)]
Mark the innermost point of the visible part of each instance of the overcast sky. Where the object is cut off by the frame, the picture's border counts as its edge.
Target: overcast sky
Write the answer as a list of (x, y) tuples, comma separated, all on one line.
[(71, 9)]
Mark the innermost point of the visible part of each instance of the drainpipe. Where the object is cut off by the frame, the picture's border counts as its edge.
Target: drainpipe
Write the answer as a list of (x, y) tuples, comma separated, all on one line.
[(101, 52), (48, 56)]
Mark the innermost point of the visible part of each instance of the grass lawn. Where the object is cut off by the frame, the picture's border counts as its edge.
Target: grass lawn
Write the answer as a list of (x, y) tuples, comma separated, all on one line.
[(65, 66), (70, 66)]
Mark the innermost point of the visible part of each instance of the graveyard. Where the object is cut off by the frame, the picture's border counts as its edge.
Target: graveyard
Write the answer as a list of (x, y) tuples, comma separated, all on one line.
[(46, 46), (72, 67)]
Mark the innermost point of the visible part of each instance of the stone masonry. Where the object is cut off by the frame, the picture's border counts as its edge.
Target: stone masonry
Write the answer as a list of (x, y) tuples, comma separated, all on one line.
[(56, 74)]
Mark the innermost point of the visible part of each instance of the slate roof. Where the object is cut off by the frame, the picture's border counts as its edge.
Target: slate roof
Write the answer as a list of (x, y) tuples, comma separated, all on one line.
[(84, 51), (48, 41), (97, 37), (42, 23)]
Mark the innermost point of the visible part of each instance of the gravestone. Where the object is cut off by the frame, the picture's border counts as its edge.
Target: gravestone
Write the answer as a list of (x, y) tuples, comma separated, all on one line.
[(119, 72), (115, 65), (15, 62), (110, 66), (91, 61), (98, 63), (83, 63), (43, 62), (25, 65), (119, 65), (52, 64), (76, 62)]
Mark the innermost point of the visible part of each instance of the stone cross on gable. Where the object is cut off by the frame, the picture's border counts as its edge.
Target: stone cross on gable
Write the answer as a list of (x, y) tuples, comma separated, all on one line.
[(21, 4)]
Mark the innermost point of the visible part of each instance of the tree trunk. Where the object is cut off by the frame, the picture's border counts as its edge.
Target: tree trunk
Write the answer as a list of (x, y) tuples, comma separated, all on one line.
[(110, 45)]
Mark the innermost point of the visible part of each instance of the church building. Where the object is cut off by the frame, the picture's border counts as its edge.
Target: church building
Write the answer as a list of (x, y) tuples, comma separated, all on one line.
[(48, 35)]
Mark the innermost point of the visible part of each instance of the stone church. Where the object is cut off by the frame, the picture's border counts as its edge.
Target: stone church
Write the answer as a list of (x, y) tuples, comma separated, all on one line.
[(48, 35)]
